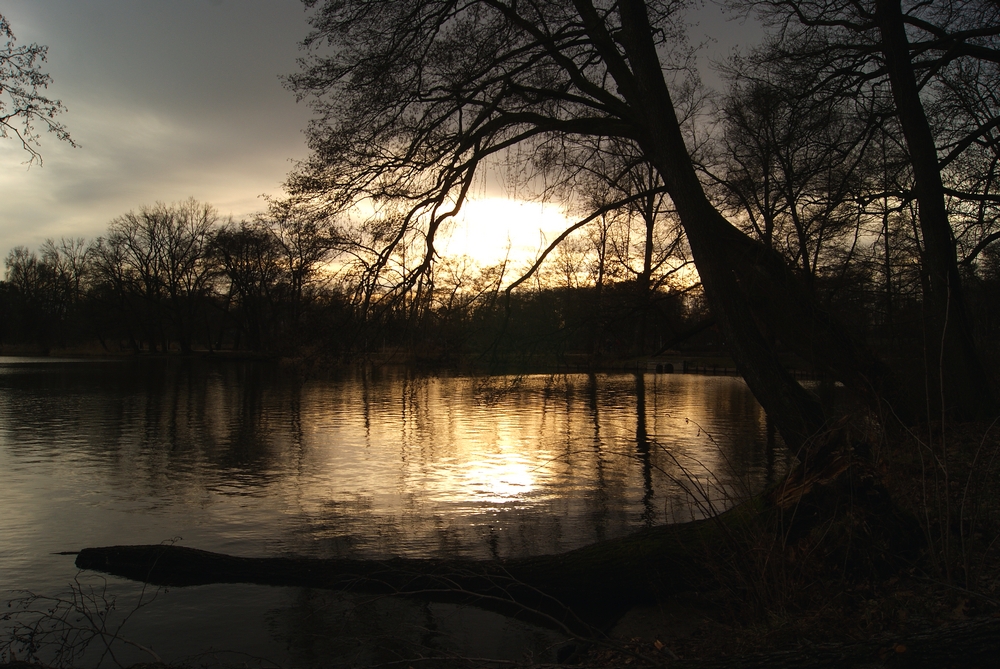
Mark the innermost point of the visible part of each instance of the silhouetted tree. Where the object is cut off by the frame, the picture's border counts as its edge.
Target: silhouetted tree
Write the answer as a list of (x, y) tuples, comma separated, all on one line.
[(23, 107), (25, 298), (251, 261), (791, 163), (155, 262), (412, 98), (305, 241), (852, 46)]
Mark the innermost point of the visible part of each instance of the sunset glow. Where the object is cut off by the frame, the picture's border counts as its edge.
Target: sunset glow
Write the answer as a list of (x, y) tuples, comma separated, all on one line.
[(492, 229)]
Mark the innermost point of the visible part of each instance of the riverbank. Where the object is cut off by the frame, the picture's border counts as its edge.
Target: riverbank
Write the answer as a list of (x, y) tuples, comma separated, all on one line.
[(705, 362), (939, 608), (906, 621)]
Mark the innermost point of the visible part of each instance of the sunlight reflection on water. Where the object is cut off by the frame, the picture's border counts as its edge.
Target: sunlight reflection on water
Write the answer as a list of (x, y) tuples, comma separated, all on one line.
[(251, 459)]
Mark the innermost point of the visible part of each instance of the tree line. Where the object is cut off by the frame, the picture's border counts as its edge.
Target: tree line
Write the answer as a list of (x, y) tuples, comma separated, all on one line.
[(168, 277), (183, 278)]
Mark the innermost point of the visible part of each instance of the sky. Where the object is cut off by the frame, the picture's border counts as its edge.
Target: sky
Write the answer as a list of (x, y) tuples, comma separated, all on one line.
[(171, 99)]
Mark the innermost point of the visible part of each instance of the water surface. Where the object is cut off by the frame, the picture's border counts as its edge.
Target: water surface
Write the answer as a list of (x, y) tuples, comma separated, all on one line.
[(256, 459)]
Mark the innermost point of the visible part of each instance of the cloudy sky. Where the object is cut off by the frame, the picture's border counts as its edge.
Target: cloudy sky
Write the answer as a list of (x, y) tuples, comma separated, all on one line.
[(170, 99)]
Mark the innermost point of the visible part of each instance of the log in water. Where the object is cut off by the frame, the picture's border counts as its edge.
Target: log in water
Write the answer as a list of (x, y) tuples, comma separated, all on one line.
[(604, 578)]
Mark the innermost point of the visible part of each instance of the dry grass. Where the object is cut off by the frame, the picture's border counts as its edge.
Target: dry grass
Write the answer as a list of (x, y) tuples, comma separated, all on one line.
[(840, 582)]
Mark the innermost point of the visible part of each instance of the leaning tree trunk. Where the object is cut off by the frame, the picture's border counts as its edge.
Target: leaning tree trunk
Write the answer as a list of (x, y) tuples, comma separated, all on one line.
[(754, 296)]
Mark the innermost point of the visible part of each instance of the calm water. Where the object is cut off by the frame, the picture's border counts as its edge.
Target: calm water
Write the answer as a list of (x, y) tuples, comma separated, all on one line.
[(251, 459)]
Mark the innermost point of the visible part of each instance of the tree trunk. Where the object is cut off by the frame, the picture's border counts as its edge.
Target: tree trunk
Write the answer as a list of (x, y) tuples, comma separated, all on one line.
[(715, 244), (589, 586), (754, 295), (592, 585)]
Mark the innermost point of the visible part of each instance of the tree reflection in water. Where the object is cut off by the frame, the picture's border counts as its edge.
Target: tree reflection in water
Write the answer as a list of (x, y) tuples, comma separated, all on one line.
[(257, 459)]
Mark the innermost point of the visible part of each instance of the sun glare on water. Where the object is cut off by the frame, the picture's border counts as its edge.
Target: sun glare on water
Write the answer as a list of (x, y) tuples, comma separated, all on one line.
[(497, 480)]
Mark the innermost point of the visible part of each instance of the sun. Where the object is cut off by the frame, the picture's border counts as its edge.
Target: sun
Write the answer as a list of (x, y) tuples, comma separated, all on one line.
[(491, 230)]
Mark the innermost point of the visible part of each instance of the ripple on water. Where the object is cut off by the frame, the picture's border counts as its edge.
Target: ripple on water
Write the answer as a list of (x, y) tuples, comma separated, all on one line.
[(245, 459)]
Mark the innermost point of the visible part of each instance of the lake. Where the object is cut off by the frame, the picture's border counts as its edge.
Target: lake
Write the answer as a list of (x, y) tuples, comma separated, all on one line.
[(260, 459)]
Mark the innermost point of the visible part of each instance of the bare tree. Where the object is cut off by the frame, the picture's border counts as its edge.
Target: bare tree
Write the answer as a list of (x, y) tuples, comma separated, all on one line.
[(411, 98), (636, 239), (156, 260), (251, 261), (965, 109), (790, 162), (24, 271), (853, 46), (306, 241), (67, 265), (49, 291), (23, 107)]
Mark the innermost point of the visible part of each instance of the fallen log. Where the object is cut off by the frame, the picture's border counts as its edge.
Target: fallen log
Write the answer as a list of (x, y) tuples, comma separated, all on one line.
[(596, 582)]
